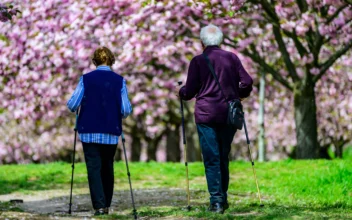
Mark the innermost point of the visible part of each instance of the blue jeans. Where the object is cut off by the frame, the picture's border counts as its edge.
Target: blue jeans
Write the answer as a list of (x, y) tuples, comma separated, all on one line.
[(100, 167), (215, 142)]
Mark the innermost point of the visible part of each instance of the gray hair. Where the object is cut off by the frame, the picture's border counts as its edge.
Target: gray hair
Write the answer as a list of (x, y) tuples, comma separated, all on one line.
[(211, 35)]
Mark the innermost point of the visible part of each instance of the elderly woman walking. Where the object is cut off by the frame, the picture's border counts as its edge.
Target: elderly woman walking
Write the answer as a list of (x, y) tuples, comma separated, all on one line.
[(102, 95)]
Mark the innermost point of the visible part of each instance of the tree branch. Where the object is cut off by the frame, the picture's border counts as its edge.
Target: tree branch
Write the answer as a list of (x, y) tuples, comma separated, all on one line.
[(277, 32), (269, 10), (302, 4), (256, 58), (327, 64), (338, 29), (301, 49), (337, 12), (276, 22), (317, 45), (286, 56)]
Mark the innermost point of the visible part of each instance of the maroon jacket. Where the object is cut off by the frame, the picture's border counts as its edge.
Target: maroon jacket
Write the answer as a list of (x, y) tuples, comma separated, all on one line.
[(211, 106)]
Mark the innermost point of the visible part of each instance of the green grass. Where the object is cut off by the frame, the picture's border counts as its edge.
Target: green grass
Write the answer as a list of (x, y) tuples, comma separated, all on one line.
[(290, 189), (347, 152)]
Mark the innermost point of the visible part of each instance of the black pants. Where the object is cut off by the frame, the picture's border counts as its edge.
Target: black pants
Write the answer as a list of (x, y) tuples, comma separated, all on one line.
[(100, 166), (215, 142)]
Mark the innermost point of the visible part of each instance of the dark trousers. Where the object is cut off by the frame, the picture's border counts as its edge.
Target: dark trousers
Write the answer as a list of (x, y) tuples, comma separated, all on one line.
[(215, 142), (100, 167)]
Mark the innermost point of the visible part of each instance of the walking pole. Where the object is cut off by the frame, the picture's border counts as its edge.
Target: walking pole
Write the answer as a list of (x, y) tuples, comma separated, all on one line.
[(129, 175), (250, 155), (185, 151), (73, 161)]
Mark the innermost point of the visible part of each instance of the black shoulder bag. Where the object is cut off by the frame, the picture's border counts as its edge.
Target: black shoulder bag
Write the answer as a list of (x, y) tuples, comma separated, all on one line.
[(235, 114)]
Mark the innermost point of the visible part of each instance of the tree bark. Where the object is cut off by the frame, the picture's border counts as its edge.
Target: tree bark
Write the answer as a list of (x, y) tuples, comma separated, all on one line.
[(153, 147), (173, 151), (306, 119), (136, 149)]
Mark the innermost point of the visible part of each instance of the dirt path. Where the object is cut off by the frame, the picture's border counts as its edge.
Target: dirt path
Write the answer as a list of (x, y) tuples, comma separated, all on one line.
[(53, 204)]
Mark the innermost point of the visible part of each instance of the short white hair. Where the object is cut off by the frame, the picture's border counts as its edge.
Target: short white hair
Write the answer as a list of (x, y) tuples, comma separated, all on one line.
[(211, 35)]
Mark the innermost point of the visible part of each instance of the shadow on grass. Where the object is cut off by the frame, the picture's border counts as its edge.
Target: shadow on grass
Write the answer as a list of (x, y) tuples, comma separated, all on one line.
[(251, 211)]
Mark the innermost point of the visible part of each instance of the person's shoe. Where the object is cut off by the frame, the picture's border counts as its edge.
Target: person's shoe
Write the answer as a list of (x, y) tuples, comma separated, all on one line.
[(226, 205), (106, 210), (99, 212), (217, 208)]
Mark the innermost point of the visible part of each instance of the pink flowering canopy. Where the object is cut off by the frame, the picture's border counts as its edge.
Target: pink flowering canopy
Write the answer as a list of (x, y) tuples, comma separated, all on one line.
[(45, 50)]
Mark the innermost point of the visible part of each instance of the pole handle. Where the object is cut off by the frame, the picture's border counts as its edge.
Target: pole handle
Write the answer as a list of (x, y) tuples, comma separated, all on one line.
[(77, 112), (123, 137), (182, 117), (245, 130)]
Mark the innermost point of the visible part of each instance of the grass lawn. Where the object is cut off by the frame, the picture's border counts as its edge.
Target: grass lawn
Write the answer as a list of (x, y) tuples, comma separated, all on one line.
[(290, 189)]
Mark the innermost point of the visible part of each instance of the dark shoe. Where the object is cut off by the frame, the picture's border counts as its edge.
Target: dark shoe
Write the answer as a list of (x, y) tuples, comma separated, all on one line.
[(217, 208), (99, 212), (106, 210), (226, 205)]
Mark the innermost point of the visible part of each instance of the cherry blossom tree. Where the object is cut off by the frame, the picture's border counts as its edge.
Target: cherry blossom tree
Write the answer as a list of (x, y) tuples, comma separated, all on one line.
[(43, 54), (48, 47), (297, 42), (334, 98)]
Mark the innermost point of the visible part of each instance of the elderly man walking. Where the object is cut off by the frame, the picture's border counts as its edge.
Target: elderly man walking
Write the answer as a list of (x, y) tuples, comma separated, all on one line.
[(211, 109)]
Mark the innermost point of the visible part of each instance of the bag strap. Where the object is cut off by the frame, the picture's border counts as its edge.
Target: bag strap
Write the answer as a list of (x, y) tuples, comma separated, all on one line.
[(214, 75)]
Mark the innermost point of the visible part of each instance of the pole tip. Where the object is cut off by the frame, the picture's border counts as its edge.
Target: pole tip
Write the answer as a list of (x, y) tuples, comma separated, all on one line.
[(179, 83), (135, 214)]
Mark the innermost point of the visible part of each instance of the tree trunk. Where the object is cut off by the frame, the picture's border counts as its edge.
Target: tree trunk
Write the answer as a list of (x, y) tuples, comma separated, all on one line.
[(338, 151), (338, 144), (306, 119), (193, 148), (261, 138), (173, 151), (151, 151), (324, 152), (136, 149), (153, 147), (118, 154)]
